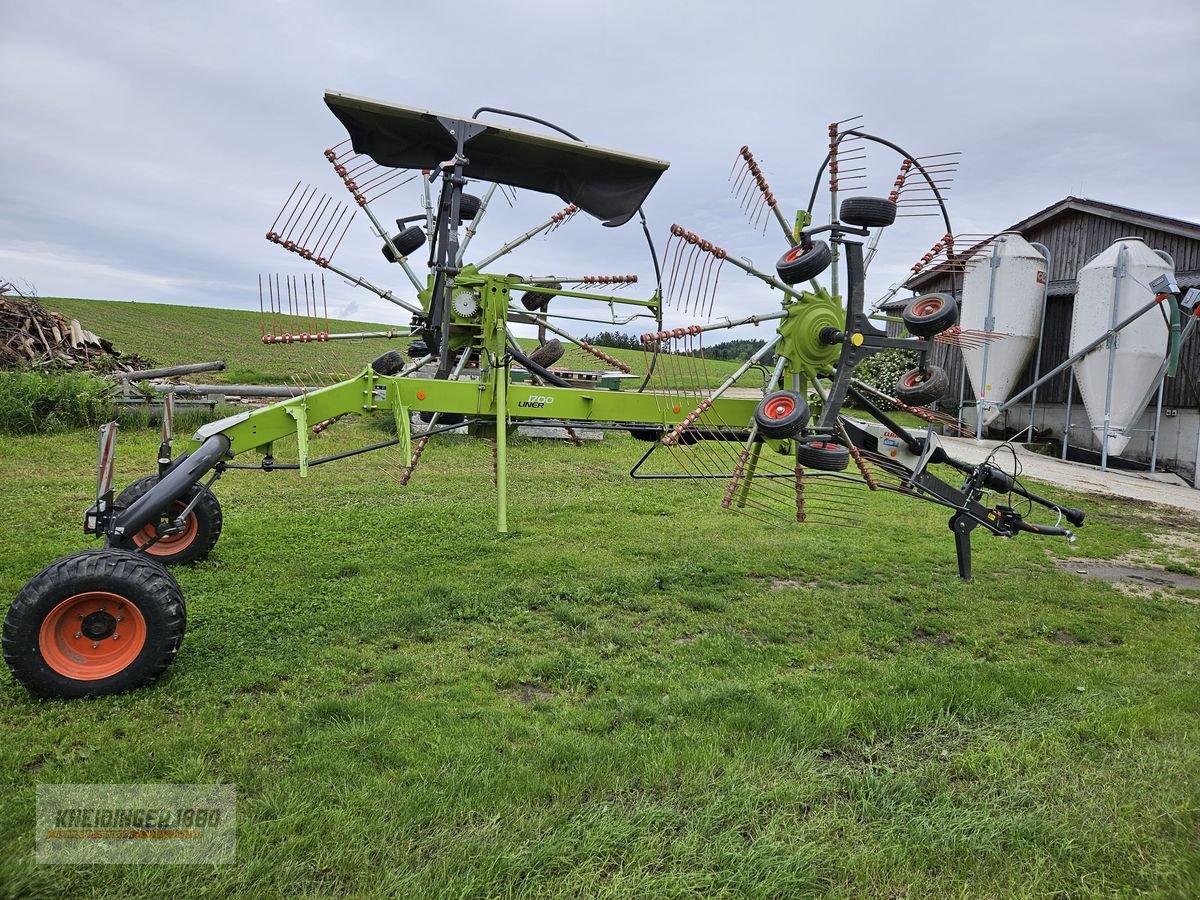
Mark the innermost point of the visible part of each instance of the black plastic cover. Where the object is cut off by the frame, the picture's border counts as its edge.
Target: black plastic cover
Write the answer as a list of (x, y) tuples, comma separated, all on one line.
[(608, 184)]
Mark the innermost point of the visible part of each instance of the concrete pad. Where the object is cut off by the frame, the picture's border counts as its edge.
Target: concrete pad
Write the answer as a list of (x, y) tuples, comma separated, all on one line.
[(1157, 487)]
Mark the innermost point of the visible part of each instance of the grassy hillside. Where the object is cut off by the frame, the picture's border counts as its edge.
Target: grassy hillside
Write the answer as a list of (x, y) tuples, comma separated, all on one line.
[(170, 335)]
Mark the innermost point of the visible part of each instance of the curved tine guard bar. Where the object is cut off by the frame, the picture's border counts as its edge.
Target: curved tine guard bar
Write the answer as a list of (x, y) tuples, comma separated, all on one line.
[(870, 338), (179, 479)]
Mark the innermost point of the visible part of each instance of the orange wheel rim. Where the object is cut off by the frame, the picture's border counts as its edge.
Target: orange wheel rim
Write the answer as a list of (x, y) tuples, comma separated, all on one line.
[(794, 254), (928, 306), (780, 408), (172, 543), (92, 635)]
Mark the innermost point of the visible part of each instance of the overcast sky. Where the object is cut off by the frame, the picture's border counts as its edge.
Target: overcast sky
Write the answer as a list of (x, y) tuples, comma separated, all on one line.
[(146, 147)]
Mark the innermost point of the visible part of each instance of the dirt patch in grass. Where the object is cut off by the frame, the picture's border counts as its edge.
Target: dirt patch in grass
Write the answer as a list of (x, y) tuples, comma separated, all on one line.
[(938, 639), (527, 693), (779, 584), (1138, 580)]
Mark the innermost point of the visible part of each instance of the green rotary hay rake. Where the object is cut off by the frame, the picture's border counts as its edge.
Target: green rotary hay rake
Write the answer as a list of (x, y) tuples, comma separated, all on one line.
[(106, 620)]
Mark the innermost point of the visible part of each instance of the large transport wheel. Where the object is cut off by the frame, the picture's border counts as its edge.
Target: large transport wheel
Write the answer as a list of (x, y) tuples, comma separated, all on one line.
[(407, 242), (94, 623), (201, 528), (930, 314), (868, 212), (801, 264), (468, 206), (920, 387), (548, 354), (825, 456), (781, 414), (388, 363)]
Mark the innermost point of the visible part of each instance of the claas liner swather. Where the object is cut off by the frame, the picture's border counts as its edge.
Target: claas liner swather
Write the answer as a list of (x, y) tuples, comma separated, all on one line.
[(106, 620)]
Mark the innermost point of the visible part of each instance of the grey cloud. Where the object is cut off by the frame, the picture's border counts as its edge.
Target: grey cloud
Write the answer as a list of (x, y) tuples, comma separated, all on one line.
[(147, 146)]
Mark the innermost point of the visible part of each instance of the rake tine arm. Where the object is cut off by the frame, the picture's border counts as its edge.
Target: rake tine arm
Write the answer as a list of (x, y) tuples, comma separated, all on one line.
[(474, 226), (527, 236)]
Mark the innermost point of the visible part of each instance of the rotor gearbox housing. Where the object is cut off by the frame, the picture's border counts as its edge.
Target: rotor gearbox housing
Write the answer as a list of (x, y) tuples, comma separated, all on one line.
[(801, 330)]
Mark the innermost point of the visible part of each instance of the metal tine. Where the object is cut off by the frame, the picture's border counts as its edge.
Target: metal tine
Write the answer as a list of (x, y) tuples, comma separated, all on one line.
[(689, 266), (358, 165), (313, 221), (302, 209), (286, 203), (383, 175), (398, 184), (328, 256), (678, 297), (716, 280), (262, 313), (743, 175), (292, 215), (704, 287), (697, 302), (679, 260), (330, 226)]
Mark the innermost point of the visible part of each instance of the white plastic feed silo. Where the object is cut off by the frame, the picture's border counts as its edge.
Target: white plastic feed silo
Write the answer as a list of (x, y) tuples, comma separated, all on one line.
[(1115, 378), (1003, 293)]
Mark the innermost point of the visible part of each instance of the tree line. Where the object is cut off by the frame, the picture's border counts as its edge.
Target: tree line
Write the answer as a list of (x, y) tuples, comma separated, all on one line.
[(739, 349)]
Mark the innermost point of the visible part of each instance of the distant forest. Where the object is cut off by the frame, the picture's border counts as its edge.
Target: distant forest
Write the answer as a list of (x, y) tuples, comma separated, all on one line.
[(735, 350)]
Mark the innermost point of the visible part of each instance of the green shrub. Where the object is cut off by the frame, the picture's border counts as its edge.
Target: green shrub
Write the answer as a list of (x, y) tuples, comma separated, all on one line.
[(884, 369), (47, 402)]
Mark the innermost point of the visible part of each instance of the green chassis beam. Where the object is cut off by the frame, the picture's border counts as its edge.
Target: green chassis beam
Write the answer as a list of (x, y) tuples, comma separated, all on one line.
[(368, 393)]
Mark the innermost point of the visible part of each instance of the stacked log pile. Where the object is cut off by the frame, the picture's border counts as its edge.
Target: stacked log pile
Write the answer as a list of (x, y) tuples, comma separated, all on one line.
[(32, 336)]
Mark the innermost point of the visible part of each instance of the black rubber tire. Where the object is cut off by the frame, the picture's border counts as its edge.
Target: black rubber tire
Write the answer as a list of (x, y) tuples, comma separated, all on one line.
[(408, 241), (137, 579), (468, 207), (535, 301), (548, 354), (647, 434), (825, 456), (930, 314), (799, 264), (920, 387), (389, 363), (781, 414), (868, 212), (206, 514)]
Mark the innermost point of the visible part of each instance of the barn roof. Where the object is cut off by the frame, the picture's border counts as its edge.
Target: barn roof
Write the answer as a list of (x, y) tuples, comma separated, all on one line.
[(1109, 211), (1181, 227)]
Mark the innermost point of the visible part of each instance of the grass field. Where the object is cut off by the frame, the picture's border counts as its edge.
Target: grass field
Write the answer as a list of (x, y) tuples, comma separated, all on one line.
[(633, 695), (171, 335)]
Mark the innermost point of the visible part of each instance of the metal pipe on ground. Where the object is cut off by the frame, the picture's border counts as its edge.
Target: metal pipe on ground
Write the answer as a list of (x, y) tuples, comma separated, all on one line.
[(233, 390), (217, 365)]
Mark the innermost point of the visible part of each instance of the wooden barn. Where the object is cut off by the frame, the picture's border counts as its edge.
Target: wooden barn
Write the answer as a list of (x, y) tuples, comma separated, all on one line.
[(1075, 229)]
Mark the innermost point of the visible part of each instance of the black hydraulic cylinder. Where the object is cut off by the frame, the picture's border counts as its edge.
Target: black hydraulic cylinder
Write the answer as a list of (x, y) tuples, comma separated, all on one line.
[(177, 482)]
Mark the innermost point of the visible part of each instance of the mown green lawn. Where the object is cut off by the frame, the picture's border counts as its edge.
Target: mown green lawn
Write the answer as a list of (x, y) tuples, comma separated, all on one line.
[(635, 694)]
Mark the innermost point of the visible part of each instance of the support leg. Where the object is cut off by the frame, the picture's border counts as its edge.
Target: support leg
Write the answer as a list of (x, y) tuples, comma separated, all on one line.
[(502, 449), (962, 526)]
